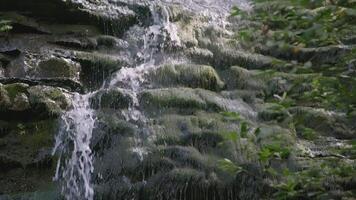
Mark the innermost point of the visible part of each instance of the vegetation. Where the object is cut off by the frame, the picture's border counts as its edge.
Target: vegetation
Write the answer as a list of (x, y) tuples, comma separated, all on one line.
[(284, 182), (287, 30), (5, 25)]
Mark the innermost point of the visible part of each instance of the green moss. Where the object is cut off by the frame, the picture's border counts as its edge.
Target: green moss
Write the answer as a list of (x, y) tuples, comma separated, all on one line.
[(306, 133), (47, 101), (37, 135), (14, 89), (113, 98), (273, 112), (175, 97), (57, 68), (107, 41), (194, 76), (96, 67)]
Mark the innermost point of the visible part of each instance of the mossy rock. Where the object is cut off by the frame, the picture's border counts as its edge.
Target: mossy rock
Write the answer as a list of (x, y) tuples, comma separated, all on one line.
[(242, 78), (112, 98), (47, 101), (275, 135), (28, 147), (14, 100), (110, 130), (184, 98), (273, 112), (96, 67), (14, 89), (190, 100), (199, 55), (187, 157), (188, 75), (230, 57), (27, 140), (111, 42), (324, 122), (57, 68), (83, 43), (4, 98), (191, 130)]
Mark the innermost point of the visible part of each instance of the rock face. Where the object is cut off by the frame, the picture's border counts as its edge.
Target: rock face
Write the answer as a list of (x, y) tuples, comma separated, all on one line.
[(217, 114)]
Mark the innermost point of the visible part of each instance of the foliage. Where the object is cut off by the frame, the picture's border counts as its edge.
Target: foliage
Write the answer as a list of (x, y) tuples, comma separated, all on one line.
[(5, 25), (273, 151), (334, 92), (230, 167), (301, 34)]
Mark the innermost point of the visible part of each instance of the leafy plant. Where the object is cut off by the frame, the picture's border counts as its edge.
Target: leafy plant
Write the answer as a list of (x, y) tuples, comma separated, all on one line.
[(232, 116), (230, 167), (273, 151), (5, 25)]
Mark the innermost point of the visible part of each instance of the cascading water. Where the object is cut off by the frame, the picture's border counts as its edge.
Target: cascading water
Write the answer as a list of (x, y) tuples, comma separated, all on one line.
[(156, 35), (75, 163)]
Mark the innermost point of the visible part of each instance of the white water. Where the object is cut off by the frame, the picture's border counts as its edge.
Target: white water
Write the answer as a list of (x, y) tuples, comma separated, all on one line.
[(162, 30), (75, 164)]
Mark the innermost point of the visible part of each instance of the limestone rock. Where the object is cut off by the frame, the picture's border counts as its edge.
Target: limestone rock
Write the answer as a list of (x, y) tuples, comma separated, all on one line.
[(57, 68), (194, 76)]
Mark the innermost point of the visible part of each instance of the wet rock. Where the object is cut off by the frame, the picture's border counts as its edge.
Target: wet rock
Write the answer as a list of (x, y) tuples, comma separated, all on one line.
[(184, 98), (226, 58), (186, 179), (21, 103), (5, 101), (25, 156), (65, 83), (327, 123), (111, 130), (319, 55), (23, 25), (15, 104), (201, 56), (112, 98), (193, 76), (15, 90), (241, 78), (109, 17), (7, 163), (57, 68), (190, 100), (202, 130), (81, 43), (276, 135), (110, 42), (271, 112), (96, 67), (47, 101)]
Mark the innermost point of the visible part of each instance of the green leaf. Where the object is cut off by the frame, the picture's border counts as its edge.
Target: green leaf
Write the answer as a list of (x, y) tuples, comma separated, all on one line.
[(257, 131), (236, 11), (230, 167), (233, 136), (233, 116), (244, 130), (265, 154), (5, 25)]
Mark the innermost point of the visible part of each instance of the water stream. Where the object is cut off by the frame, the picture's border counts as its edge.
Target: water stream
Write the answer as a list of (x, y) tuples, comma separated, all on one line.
[(75, 163)]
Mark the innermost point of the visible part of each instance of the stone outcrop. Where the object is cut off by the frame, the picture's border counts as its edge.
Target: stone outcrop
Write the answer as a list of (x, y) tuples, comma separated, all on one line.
[(221, 125)]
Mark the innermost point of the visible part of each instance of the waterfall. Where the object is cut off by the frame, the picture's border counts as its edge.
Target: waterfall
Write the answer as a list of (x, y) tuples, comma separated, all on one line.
[(75, 162), (156, 35)]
